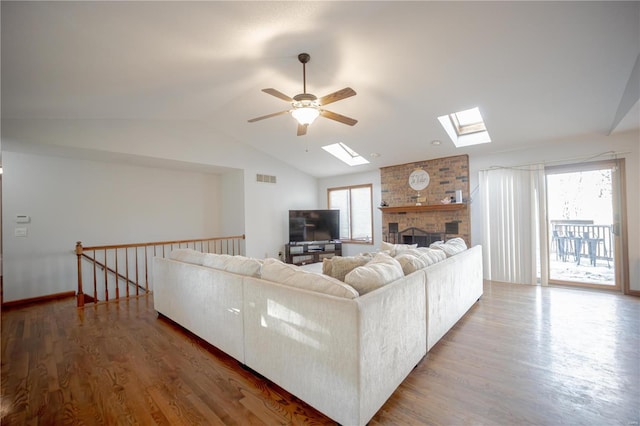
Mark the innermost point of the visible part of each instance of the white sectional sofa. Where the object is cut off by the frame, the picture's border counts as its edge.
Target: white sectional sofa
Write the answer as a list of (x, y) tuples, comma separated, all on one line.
[(341, 352), (452, 287)]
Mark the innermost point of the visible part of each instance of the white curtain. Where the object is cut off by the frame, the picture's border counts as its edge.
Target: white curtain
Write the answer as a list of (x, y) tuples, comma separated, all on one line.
[(513, 203)]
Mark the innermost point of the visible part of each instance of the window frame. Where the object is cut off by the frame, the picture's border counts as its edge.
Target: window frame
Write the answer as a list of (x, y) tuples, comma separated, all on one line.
[(349, 188), (467, 128)]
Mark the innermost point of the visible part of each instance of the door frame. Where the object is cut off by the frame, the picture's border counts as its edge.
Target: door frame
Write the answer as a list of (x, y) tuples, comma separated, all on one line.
[(621, 197), (619, 201)]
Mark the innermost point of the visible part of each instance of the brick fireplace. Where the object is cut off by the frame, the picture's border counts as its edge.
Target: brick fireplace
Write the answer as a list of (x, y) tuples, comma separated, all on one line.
[(405, 222)]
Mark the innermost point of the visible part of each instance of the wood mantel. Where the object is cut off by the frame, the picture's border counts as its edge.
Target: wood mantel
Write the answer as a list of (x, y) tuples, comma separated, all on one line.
[(424, 208)]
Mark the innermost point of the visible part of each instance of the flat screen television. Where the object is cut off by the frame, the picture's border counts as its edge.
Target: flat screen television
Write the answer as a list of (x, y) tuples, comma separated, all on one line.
[(314, 225)]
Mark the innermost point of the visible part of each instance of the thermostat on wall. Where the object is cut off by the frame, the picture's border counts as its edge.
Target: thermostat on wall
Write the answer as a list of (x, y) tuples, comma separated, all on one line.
[(22, 218)]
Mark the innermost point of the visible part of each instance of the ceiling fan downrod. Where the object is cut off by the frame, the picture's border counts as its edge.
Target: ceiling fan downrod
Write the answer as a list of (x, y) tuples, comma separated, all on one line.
[(304, 58)]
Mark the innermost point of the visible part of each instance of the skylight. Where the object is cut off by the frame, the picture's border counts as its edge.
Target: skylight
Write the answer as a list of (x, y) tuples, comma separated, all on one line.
[(468, 121), (466, 127), (344, 153)]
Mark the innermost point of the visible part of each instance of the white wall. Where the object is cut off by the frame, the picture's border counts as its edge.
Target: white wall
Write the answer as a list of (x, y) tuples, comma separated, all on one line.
[(270, 203), (586, 148), (97, 203), (231, 207), (356, 179)]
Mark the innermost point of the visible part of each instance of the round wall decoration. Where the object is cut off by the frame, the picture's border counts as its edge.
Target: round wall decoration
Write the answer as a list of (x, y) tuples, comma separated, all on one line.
[(419, 179)]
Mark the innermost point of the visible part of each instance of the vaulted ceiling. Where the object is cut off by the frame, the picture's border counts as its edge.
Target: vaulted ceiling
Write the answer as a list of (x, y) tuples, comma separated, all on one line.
[(540, 72)]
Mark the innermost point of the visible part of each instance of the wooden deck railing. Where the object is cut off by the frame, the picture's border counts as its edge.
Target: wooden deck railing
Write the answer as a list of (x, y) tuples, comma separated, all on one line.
[(122, 271)]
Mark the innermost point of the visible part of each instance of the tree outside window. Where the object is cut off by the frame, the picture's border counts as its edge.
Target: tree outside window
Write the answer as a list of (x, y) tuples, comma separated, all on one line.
[(356, 212)]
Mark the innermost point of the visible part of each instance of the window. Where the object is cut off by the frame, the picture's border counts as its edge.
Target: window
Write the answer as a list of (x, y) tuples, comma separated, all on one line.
[(468, 121), (343, 153), (466, 127), (356, 212)]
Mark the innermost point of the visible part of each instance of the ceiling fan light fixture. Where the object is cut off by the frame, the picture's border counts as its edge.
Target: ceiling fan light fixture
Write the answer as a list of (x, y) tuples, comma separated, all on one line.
[(305, 115)]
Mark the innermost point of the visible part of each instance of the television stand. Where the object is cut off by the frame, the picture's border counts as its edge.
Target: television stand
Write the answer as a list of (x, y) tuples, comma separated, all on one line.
[(311, 252)]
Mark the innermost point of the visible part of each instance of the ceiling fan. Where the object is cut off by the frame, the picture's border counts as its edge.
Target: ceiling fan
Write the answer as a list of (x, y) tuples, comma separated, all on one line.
[(305, 107)]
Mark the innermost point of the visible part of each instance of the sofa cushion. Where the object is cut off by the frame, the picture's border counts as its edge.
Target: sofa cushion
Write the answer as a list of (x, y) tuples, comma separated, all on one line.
[(414, 259), (244, 266), (383, 269), (410, 262), (237, 264), (283, 273), (339, 266), (432, 255), (327, 266), (450, 247), (395, 249), (217, 261), (187, 255)]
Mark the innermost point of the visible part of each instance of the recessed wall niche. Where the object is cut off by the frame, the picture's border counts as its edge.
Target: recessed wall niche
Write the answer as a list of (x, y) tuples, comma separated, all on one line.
[(421, 216)]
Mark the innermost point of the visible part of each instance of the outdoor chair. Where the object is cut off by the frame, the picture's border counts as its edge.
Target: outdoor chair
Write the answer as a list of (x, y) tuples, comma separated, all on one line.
[(560, 242)]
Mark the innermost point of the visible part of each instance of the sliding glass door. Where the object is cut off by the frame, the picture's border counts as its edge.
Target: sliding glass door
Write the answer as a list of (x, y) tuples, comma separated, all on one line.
[(584, 223)]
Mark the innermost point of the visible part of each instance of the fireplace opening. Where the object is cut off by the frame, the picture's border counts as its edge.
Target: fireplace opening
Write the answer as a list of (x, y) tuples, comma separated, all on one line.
[(420, 237)]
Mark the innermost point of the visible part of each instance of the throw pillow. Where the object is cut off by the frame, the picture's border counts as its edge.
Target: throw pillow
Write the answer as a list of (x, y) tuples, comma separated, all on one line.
[(341, 266), (382, 270), (327, 265), (284, 273)]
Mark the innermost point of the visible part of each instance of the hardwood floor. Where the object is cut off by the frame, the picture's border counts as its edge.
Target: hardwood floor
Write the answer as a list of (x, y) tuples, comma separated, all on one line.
[(521, 355)]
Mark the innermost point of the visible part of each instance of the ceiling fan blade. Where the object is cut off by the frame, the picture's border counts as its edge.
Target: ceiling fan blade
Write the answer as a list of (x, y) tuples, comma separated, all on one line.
[(336, 96), (338, 117), (277, 94), (302, 129), (267, 116)]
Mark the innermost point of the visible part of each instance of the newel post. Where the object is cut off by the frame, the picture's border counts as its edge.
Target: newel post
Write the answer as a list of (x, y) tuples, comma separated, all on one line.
[(80, 291)]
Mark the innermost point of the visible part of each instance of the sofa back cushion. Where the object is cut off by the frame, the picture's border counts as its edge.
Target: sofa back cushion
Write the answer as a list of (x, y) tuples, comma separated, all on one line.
[(383, 269), (237, 264), (187, 255), (418, 258), (216, 261), (283, 273), (450, 247)]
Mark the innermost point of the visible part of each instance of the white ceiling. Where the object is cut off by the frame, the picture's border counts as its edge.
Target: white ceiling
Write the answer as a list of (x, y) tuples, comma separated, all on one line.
[(540, 72)]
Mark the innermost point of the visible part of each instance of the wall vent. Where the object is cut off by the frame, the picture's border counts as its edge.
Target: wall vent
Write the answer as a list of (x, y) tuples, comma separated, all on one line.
[(265, 178), (451, 228)]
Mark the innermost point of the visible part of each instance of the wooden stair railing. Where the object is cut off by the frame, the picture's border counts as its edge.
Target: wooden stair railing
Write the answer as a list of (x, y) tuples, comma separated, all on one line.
[(102, 267), (106, 271)]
